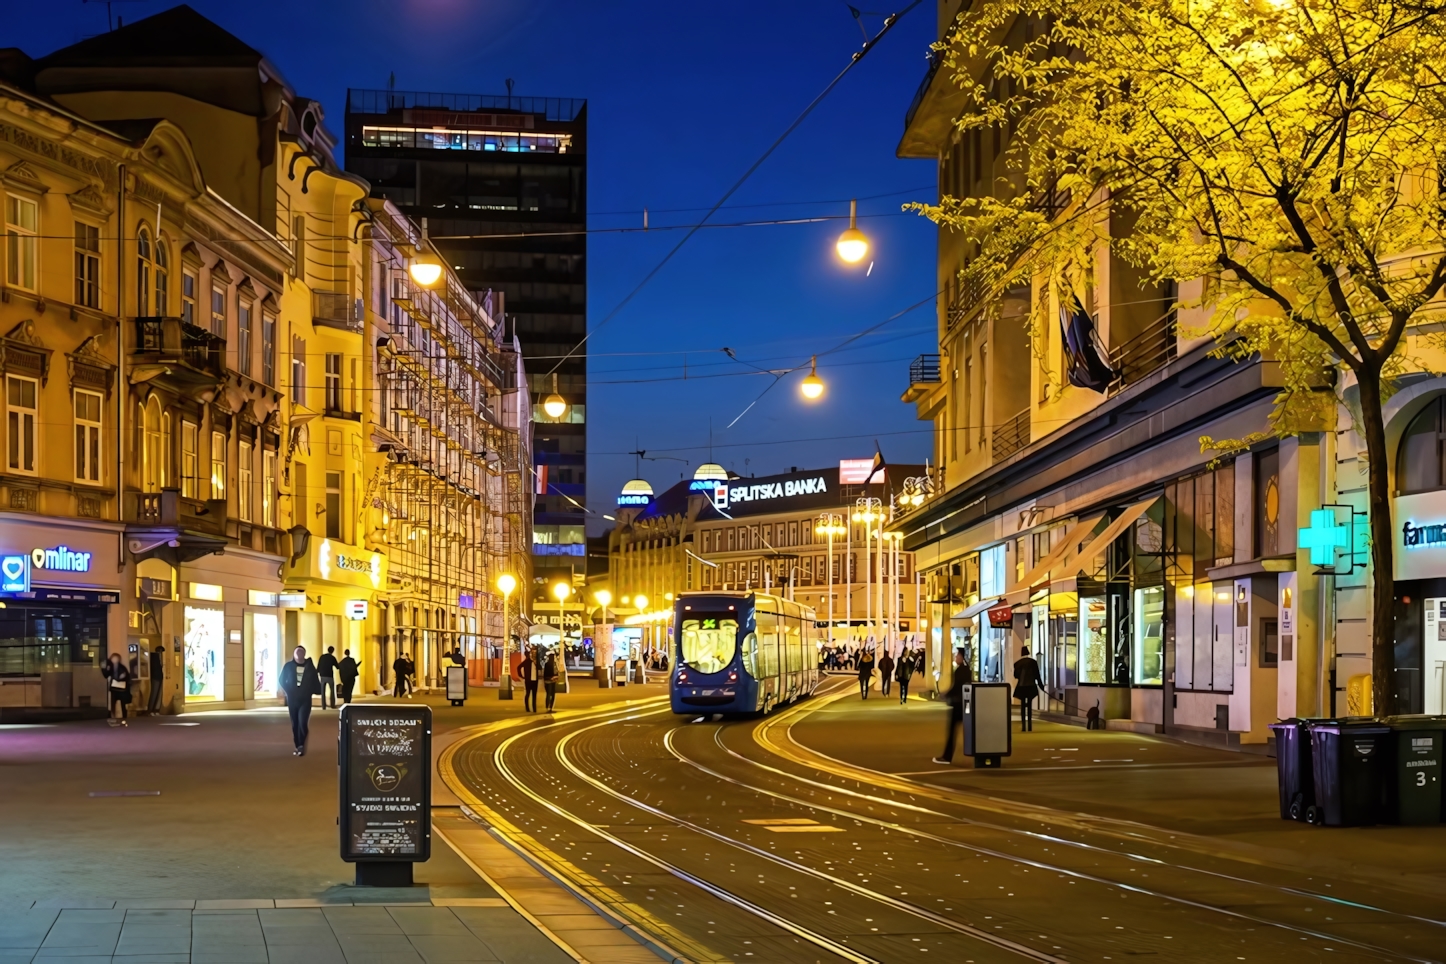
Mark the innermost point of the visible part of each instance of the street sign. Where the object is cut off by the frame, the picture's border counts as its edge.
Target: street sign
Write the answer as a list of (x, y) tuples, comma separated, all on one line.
[(385, 761)]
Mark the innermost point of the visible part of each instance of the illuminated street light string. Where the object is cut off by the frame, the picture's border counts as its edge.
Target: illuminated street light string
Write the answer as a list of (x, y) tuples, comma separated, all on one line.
[(858, 56)]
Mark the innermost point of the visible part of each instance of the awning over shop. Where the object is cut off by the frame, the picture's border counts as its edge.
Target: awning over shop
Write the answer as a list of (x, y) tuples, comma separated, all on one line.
[(1070, 544), (971, 611), (1112, 531)]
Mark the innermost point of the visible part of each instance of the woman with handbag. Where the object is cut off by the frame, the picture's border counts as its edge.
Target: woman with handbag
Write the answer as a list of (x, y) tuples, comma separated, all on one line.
[(118, 686)]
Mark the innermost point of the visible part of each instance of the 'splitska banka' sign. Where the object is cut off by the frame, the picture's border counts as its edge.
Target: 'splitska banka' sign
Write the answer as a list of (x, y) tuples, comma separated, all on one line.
[(386, 783)]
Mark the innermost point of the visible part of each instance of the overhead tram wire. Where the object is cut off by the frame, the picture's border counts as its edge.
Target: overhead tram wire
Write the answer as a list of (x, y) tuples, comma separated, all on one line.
[(858, 56)]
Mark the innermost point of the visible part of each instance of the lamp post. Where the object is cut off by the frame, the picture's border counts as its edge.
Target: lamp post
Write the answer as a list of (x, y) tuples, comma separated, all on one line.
[(868, 509), (506, 583), (852, 244), (812, 385), (829, 524)]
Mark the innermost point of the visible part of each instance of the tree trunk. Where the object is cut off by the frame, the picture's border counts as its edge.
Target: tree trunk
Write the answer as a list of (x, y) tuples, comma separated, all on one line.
[(1383, 594)]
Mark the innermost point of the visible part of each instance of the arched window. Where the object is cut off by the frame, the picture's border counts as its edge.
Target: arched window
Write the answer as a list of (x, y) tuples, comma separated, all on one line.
[(143, 272), (163, 279), (153, 448), (1421, 459)]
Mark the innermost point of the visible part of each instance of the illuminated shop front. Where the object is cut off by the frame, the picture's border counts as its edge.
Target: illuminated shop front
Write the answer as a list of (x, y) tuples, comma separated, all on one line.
[(59, 612), (332, 599)]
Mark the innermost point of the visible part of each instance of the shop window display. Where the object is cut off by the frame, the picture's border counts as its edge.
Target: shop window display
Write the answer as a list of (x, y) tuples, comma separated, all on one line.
[(1149, 654), (205, 653)]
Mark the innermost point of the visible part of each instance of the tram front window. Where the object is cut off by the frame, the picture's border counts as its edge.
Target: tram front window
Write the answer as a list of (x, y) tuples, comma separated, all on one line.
[(709, 644)]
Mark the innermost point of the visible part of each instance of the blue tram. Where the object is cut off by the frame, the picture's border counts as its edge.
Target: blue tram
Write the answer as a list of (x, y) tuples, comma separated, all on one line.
[(741, 652)]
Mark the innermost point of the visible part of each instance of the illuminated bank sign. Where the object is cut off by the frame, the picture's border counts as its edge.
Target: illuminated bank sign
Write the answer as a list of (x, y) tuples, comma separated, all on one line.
[(779, 493), (60, 559), (786, 489)]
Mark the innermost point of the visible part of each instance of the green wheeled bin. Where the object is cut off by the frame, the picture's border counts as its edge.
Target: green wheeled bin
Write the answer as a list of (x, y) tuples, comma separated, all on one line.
[(1415, 778), (1350, 760)]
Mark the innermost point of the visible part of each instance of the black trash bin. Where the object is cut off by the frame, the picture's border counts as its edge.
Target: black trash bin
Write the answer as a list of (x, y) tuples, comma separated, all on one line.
[(1415, 780), (1293, 768), (1350, 761)]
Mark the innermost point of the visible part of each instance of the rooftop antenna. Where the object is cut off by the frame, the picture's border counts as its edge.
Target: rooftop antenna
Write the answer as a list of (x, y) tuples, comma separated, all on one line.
[(392, 81), (509, 82), (108, 4)]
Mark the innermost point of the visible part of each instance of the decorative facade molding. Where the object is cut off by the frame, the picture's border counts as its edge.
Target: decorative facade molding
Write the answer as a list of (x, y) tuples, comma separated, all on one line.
[(102, 171)]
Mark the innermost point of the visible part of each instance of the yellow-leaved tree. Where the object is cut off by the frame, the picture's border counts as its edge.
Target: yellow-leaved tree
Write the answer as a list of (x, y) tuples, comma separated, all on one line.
[(1289, 151)]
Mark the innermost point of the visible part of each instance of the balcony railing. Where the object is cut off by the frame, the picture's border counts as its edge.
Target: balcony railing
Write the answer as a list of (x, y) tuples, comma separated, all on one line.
[(1150, 349), (335, 309), (172, 337), (924, 369), (385, 101), (1011, 436)]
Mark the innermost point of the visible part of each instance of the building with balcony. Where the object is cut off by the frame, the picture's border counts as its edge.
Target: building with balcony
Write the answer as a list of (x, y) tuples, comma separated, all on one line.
[(198, 315), (1175, 589), (502, 182)]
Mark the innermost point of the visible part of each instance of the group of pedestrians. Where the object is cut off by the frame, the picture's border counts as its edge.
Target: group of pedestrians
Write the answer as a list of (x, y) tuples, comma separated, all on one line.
[(404, 676), (890, 670), (539, 664)]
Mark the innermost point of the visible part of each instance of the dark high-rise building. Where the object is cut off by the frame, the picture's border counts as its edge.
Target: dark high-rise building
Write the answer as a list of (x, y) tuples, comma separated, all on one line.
[(502, 182)]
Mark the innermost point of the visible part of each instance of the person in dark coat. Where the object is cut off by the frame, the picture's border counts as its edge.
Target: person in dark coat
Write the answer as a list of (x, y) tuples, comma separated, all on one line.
[(326, 669), (528, 670), (158, 679), (886, 672), (866, 672), (401, 668), (299, 683), (118, 686), (954, 696), (1026, 688), (903, 673), (347, 670), (549, 679)]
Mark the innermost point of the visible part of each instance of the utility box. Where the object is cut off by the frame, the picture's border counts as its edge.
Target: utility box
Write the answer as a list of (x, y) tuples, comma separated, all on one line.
[(987, 735)]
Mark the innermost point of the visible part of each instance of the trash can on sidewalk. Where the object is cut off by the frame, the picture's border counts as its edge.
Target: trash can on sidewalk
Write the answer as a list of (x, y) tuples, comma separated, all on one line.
[(1292, 766), (1350, 761), (1415, 779)]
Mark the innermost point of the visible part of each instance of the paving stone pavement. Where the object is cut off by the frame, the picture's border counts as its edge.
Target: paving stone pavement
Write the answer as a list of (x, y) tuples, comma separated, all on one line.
[(442, 931)]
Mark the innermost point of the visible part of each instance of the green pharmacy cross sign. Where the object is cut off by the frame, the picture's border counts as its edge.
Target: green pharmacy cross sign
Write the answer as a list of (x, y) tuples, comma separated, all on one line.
[(1324, 537)]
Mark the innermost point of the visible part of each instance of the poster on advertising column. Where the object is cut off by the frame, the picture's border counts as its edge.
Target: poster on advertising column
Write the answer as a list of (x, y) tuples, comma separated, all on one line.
[(386, 783)]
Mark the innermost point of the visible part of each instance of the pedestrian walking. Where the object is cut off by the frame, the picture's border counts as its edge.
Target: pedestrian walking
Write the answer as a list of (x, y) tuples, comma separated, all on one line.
[(886, 672), (549, 679), (456, 657), (954, 696), (401, 667), (118, 688), (902, 674), (1026, 688), (529, 671), (866, 672), (326, 670), (299, 683), (158, 679), (348, 670)]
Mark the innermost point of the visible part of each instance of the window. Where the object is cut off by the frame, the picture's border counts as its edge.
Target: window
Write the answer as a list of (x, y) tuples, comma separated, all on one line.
[(87, 437), (87, 265), (163, 278), (243, 481), (22, 224), (709, 643), (20, 396), (218, 465), (268, 488), (1421, 457), (333, 505), (188, 296), (218, 311), (152, 447), (333, 382), (190, 459), (143, 270), (268, 349), (243, 338), (298, 372)]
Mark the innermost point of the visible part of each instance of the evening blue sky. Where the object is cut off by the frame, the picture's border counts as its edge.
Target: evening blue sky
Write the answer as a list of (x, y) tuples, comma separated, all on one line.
[(682, 98)]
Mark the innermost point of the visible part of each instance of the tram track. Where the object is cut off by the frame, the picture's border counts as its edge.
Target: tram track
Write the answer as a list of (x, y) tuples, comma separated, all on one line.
[(579, 749)]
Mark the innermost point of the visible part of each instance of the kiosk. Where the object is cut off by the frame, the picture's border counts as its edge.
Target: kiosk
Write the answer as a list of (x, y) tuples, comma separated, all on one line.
[(385, 762)]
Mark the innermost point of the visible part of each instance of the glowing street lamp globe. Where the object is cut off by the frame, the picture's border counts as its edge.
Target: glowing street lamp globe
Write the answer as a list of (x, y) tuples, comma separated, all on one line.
[(506, 583), (812, 386), (853, 244), (561, 591)]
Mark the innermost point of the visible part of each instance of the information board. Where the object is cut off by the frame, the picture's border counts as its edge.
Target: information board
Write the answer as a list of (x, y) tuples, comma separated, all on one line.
[(386, 783)]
